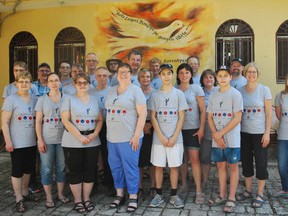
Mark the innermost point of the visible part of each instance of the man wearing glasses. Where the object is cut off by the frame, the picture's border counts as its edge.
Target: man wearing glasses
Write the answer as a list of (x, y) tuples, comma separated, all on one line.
[(91, 62), (18, 68), (43, 71)]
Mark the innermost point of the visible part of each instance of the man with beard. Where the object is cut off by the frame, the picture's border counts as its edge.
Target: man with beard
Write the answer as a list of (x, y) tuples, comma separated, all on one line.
[(236, 71), (194, 63), (134, 60), (112, 65)]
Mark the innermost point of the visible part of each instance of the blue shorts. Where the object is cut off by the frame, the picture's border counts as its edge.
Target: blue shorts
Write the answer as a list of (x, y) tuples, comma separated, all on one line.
[(231, 155)]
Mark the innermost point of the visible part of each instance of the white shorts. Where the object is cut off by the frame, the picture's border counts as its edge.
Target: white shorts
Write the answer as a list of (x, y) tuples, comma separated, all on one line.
[(160, 155)]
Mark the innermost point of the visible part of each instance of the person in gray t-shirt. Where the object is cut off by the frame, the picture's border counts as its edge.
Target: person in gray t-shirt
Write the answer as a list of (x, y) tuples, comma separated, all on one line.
[(49, 130), (82, 117), (255, 133), (126, 115), (281, 108), (193, 127), (18, 125)]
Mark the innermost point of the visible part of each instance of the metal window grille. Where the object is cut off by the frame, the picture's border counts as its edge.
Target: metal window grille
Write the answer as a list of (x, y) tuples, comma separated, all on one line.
[(282, 52), (23, 47), (234, 39), (69, 45)]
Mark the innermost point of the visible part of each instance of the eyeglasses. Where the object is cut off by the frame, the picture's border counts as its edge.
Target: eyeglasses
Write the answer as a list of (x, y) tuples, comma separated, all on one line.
[(44, 71), (63, 67), (19, 70), (102, 75), (24, 82), (124, 72), (91, 60), (53, 81), (85, 83)]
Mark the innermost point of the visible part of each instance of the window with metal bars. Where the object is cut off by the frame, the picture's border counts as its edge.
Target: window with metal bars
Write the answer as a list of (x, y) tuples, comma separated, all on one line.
[(69, 45), (23, 47), (234, 39), (282, 52)]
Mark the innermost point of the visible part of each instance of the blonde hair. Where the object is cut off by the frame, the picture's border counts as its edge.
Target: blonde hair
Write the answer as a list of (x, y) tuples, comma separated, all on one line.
[(24, 75), (250, 64), (144, 70)]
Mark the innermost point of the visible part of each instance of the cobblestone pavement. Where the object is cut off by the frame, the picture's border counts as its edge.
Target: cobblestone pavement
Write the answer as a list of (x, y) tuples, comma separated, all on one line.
[(273, 206)]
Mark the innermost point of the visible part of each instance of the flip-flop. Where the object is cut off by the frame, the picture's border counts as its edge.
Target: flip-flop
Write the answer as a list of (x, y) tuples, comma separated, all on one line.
[(64, 199), (49, 204)]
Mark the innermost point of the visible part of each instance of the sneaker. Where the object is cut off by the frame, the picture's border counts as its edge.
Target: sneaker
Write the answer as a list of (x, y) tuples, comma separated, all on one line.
[(176, 201), (34, 189), (156, 201)]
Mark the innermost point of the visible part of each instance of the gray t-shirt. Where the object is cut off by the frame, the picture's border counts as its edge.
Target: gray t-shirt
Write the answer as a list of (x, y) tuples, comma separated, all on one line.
[(12, 89), (83, 117), (22, 123), (192, 117), (167, 106), (196, 79), (253, 118), (223, 105), (281, 100), (122, 115), (101, 96), (52, 128), (207, 130), (238, 82), (67, 82), (134, 80), (114, 81), (156, 83), (69, 89), (148, 96)]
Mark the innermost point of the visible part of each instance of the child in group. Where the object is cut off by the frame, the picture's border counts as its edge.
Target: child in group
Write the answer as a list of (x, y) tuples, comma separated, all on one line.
[(224, 115), (167, 106)]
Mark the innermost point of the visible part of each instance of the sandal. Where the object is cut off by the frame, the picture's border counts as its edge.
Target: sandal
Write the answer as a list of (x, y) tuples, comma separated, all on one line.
[(117, 202), (131, 208), (64, 199), (152, 192), (257, 203), (30, 197), (21, 207), (200, 197), (49, 204), (217, 201), (244, 195), (89, 206), (79, 207), (229, 206)]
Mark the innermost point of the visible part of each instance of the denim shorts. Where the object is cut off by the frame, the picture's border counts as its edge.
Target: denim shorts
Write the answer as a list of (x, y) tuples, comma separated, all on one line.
[(231, 155)]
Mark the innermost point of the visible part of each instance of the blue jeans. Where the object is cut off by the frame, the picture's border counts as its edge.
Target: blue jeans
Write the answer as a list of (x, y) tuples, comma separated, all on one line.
[(54, 156), (283, 163)]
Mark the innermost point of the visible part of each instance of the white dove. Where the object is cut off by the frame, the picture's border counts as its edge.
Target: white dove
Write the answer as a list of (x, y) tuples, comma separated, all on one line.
[(134, 27), (139, 32)]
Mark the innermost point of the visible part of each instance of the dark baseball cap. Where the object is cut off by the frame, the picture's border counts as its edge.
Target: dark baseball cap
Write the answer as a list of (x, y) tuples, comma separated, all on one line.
[(223, 68), (168, 66), (237, 60)]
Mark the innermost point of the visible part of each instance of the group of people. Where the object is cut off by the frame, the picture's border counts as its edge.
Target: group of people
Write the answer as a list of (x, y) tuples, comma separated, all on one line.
[(138, 118)]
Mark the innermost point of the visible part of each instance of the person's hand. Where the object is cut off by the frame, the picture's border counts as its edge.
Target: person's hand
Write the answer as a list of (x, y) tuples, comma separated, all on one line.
[(221, 143), (265, 139), (217, 135), (42, 147), (91, 136), (134, 142), (164, 141), (172, 140), (84, 140), (200, 134), (9, 147)]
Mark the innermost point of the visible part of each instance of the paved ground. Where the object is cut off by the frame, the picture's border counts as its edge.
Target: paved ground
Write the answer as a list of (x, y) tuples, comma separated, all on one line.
[(273, 206)]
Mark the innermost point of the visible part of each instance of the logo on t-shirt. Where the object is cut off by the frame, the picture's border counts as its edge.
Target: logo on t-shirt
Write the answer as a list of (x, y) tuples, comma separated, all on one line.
[(166, 101)]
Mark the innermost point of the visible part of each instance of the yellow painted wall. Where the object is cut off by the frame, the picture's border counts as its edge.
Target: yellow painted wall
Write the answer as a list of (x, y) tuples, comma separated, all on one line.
[(263, 16)]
